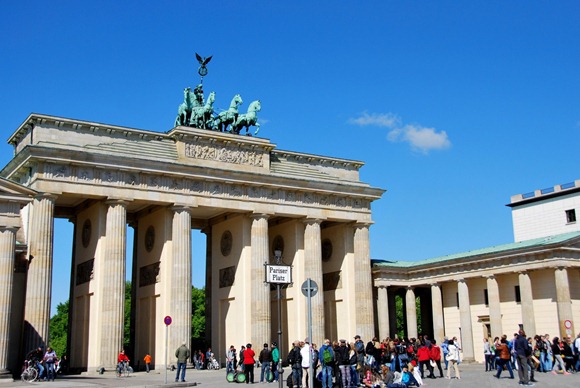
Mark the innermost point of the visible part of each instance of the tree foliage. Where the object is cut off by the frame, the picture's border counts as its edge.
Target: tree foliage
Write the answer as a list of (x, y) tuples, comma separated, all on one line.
[(197, 313), (400, 315), (58, 329)]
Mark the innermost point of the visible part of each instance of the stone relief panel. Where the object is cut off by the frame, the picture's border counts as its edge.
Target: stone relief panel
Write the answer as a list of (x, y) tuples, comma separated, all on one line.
[(227, 276), (224, 153), (85, 272), (149, 274)]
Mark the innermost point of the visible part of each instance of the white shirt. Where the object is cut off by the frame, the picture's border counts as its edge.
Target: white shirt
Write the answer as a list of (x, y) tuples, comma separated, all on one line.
[(305, 353)]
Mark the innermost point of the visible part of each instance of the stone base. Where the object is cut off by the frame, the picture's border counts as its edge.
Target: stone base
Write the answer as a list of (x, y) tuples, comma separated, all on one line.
[(6, 376)]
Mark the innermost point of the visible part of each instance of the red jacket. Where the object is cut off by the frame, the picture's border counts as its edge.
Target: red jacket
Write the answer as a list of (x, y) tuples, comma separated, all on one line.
[(249, 356), (435, 353), (423, 353)]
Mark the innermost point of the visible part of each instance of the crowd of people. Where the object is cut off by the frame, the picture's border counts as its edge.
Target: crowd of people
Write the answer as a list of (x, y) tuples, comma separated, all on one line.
[(541, 354), (47, 362)]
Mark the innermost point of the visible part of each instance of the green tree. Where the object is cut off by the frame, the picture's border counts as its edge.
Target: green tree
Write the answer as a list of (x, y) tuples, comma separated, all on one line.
[(58, 329), (198, 313), (127, 327), (400, 315)]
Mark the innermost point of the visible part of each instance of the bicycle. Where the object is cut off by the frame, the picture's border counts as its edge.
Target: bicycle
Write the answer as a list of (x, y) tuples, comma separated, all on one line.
[(30, 371), (124, 370)]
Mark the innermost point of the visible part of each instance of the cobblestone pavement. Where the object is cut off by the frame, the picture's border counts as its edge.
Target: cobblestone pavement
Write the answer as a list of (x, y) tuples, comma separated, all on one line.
[(473, 375)]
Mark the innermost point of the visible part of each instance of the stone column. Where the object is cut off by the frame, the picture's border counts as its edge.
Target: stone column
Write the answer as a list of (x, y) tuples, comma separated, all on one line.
[(363, 282), (437, 307), (39, 278), (411, 313), (383, 312), (181, 277), (112, 301), (466, 340), (527, 303), (563, 301), (313, 270), (494, 307), (260, 300), (7, 261)]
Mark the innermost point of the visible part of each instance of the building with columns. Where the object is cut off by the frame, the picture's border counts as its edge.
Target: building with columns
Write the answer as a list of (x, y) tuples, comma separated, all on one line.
[(245, 195), (533, 283)]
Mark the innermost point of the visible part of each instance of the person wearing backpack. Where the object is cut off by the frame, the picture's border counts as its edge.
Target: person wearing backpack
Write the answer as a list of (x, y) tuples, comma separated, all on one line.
[(295, 360), (343, 363), (359, 346), (326, 358)]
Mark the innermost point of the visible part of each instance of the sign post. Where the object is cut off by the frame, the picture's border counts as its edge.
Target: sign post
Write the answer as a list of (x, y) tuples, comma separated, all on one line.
[(279, 274), (167, 320), (309, 289)]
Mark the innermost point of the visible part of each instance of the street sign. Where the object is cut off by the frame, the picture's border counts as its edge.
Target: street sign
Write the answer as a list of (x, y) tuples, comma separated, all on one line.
[(278, 274), (167, 320), (309, 285)]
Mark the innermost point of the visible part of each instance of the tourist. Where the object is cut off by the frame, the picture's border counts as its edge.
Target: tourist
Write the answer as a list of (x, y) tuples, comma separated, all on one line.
[(295, 360), (121, 360), (275, 360), (231, 360), (265, 359), (355, 381), (306, 360), (523, 352), (424, 358), (326, 356), (452, 358), (36, 356), (249, 362), (445, 350), (504, 358), (557, 352), (488, 354), (147, 360), (435, 354), (241, 363), (182, 354), (343, 361), (49, 359)]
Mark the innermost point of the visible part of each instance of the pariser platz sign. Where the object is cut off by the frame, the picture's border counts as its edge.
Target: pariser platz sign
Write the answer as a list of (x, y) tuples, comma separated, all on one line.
[(278, 274)]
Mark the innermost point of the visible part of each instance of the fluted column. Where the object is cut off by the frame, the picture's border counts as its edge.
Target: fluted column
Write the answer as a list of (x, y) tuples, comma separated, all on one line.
[(383, 312), (437, 308), (181, 277), (313, 270), (494, 307), (465, 321), (563, 301), (527, 303), (7, 248), (39, 277), (112, 301), (363, 282), (411, 313), (260, 301)]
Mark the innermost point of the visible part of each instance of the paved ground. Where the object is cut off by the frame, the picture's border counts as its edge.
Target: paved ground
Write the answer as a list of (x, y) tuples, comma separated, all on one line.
[(471, 376)]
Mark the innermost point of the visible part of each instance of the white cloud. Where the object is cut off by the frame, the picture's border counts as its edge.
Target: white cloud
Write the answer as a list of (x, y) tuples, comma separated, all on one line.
[(388, 120), (422, 139)]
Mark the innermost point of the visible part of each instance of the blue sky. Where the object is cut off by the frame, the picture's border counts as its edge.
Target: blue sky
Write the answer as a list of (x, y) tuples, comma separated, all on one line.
[(453, 106)]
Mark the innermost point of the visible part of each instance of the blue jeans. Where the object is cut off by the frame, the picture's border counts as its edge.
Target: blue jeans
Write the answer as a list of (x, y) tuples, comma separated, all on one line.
[(275, 368), (354, 380), (230, 367), (326, 376), (180, 366), (40, 369), (297, 375), (265, 370), (500, 365), (446, 362), (50, 375)]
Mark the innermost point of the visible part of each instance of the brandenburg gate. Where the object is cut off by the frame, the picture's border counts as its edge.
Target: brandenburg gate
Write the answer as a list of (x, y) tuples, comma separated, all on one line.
[(248, 197)]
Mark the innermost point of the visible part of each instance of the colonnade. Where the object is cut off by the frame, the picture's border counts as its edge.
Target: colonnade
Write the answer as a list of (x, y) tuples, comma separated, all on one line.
[(463, 311)]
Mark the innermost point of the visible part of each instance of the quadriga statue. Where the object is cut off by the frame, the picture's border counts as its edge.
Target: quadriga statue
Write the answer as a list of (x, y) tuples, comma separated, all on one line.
[(184, 110), (202, 116), (248, 119), (227, 117)]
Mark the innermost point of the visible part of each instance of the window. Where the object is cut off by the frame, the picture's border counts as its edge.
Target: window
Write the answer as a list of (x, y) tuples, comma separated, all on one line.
[(570, 216), (518, 296), (485, 297)]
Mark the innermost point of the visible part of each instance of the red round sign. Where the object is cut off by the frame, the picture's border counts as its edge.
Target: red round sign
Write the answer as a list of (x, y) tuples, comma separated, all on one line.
[(167, 320)]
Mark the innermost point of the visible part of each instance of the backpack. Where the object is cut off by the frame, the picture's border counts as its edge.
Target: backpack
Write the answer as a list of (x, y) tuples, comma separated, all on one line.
[(359, 347), (327, 356)]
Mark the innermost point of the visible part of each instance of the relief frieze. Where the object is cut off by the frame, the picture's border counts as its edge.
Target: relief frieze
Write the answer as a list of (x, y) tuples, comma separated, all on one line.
[(224, 153), (85, 272), (149, 274)]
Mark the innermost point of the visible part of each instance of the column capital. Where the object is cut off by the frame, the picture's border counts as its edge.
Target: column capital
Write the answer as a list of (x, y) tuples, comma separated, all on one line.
[(49, 196), (382, 286), (117, 201), (312, 221), (178, 208), (489, 277), (12, 229), (460, 280), (435, 284), (260, 216), (362, 224)]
